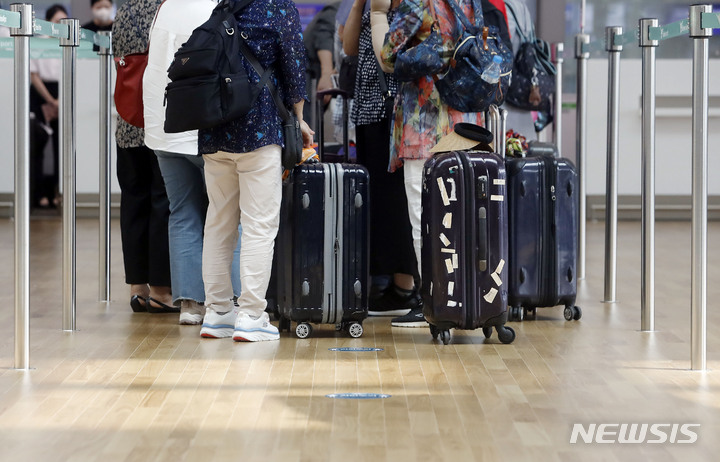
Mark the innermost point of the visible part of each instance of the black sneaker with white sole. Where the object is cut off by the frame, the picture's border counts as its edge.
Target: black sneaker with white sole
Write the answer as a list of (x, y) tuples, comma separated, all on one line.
[(391, 303), (414, 318)]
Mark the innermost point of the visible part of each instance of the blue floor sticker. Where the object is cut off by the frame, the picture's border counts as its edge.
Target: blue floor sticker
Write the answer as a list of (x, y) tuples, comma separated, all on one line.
[(355, 349), (358, 395)]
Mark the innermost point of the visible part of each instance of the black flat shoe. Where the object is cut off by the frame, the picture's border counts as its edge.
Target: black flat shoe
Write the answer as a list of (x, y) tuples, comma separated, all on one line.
[(138, 304), (156, 306)]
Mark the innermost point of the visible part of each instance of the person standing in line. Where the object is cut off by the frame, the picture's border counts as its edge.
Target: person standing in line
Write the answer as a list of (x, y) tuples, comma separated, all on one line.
[(391, 249), (243, 176), (45, 78), (180, 164), (421, 117), (144, 208), (101, 16)]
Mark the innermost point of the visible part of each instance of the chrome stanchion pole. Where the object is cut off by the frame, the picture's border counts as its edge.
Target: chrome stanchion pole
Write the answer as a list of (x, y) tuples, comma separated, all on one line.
[(613, 147), (647, 299), (22, 187), (582, 56), (68, 146), (701, 57), (104, 190), (557, 51)]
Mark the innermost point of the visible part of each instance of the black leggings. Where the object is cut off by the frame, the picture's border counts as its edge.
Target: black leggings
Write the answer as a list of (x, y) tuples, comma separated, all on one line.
[(391, 243)]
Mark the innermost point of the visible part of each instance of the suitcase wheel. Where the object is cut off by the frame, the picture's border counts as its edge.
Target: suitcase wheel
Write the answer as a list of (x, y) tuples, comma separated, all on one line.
[(572, 312), (303, 330), (516, 314), (505, 334), (445, 336), (284, 324), (434, 331), (487, 331), (355, 329), (530, 313)]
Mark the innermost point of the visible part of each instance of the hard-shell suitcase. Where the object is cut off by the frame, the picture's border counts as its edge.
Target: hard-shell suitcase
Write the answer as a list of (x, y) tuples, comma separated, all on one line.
[(322, 248), (543, 235), (464, 244)]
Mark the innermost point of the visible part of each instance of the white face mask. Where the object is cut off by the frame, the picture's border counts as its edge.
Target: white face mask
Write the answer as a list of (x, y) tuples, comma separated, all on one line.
[(102, 14)]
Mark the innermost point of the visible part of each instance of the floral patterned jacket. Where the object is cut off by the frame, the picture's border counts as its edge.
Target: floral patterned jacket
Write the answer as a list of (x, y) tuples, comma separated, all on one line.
[(130, 33), (421, 118)]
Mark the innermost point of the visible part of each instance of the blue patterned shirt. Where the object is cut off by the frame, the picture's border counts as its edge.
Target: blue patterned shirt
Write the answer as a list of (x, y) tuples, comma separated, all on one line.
[(274, 35)]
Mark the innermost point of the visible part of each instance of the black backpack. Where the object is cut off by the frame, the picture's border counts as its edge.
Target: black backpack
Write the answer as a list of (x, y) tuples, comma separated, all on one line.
[(209, 84)]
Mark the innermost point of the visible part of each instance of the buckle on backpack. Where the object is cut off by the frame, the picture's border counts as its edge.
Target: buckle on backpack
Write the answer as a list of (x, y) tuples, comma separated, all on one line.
[(228, 30), (485, 38)]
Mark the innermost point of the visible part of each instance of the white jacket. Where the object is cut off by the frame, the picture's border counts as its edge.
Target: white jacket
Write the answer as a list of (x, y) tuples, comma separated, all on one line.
[(176, 20)]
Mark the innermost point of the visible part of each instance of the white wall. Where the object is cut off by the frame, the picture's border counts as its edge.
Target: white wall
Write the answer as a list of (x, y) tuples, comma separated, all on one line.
[(674, 134), (87, 176)]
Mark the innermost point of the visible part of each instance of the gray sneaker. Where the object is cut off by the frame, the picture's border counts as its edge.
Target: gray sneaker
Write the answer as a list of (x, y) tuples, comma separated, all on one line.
[(191, 312)]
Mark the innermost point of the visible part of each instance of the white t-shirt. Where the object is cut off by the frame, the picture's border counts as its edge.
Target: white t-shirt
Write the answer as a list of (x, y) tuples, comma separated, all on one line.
[(49, 69), (175, 22)]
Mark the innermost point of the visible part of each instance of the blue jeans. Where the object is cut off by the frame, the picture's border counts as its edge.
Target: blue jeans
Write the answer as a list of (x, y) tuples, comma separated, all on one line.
[(185, 185)]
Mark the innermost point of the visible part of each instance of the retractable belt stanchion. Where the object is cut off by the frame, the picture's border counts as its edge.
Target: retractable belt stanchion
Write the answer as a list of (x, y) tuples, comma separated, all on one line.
[(613, 146), (68, 152), (647, 298), (701, 58), (104, 190), (557, 50), (582, 55), (22, 178)]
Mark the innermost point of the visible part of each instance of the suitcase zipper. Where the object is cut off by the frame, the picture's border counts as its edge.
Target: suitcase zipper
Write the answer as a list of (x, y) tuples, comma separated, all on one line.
[(551, 248), (470, 281)]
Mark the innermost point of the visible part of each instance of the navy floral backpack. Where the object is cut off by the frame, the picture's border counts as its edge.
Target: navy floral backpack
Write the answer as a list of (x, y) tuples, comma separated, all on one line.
[(481, 67)]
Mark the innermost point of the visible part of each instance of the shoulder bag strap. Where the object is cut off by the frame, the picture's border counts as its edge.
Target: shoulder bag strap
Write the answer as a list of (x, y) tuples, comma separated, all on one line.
[(265, 78)]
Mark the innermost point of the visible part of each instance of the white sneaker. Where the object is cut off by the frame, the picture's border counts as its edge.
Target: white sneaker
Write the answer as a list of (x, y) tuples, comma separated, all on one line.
[(248, 329), (191, 312), (218, 325)]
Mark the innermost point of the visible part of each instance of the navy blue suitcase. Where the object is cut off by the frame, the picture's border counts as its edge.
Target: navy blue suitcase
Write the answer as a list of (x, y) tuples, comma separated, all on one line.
[(321, 252), (464, 244), (543, 235)]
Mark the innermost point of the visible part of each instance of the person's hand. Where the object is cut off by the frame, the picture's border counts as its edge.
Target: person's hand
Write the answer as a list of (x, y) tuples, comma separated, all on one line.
[(50, 111), (325, 83), (307, 134)]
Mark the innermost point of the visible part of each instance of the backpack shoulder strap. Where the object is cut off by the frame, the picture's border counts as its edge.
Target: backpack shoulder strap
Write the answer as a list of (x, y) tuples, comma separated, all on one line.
[(460, 16), (523, 36)]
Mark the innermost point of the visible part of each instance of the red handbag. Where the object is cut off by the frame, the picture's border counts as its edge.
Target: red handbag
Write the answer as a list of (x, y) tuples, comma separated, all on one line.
[(128, 87), (129, 83)]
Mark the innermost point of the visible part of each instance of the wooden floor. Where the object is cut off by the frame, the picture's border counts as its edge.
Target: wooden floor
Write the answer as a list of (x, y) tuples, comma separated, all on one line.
[(139, 387)]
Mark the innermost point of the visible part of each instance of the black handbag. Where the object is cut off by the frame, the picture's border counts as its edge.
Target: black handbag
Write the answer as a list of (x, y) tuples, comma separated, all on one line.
[(293, 144), (533, 79)]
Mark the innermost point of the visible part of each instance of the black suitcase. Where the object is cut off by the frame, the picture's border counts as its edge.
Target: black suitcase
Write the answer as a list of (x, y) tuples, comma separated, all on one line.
[(321, 251), (543, 234), (464, 244)]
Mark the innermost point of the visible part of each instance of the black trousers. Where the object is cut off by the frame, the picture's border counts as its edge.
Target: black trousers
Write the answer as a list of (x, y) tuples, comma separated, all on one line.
[(391, 243), (42, 184), (144, 213)]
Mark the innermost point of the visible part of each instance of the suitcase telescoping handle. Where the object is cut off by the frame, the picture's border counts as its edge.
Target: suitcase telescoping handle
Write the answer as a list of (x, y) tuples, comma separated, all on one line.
[(333, 93), (496, 121)]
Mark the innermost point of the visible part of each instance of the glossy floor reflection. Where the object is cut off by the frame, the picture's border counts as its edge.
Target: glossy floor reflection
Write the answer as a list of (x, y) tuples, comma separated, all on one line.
[(139, 387)]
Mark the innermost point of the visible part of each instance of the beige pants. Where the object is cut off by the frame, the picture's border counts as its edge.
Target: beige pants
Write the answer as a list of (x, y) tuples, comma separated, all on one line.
[(241, 188), (413, 189)]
